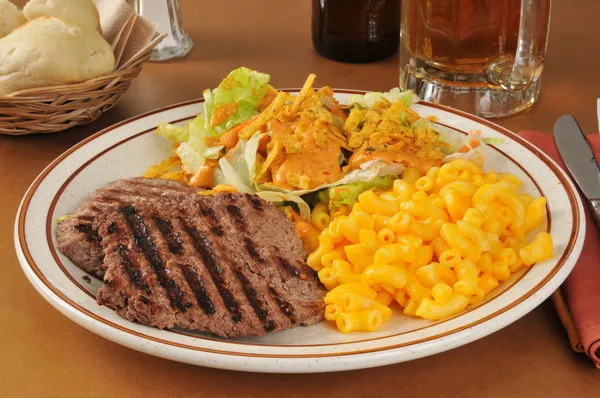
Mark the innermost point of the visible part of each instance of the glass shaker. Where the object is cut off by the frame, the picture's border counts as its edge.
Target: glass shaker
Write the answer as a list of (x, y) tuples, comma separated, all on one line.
[(167, 18)]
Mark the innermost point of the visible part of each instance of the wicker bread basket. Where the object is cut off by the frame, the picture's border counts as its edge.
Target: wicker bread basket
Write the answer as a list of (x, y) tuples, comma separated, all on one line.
[(57, 108)]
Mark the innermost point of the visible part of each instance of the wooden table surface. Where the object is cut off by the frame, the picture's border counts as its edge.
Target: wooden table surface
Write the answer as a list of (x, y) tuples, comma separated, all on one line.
[(43, 354)]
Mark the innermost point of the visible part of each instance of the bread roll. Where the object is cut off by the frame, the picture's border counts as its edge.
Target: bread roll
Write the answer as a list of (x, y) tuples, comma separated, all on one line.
[(10, 17), (49, 51), (83, 12)]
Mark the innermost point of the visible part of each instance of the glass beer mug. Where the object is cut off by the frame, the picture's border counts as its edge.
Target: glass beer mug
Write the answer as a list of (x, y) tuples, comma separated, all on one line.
[(481, 56)]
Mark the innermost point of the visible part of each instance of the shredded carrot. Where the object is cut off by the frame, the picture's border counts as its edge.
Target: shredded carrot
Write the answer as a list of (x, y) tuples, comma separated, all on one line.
[(474, 143), (204, 176), (308, 234), (231, 137)]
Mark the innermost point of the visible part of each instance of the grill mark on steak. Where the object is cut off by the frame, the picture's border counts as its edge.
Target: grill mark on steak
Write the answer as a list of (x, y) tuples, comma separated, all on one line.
[(131, 270), (207, 212), (255, 202), (210, 216), (264, 304), (217, 231), (293, 271), (197, 285), (285, 307), (140, 233), (236, 215), (91, 235), (294, 275), (172, 237), (203, 247), (252, 250), (188, 271), (259, 306), (230, 263), (112, 228), (301, 270)]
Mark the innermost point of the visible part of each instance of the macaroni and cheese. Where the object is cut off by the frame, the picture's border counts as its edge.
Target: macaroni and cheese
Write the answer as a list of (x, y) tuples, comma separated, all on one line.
[(433, 245)]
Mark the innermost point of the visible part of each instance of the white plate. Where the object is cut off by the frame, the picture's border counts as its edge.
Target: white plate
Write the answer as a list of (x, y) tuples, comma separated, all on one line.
[(128, 148)]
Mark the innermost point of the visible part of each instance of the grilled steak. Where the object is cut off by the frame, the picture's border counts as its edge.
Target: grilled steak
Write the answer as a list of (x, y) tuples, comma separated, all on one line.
[(77, 237), (228, 264)]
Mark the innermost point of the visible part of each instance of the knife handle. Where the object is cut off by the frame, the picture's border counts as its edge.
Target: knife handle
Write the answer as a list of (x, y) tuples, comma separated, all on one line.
[(595, 207)]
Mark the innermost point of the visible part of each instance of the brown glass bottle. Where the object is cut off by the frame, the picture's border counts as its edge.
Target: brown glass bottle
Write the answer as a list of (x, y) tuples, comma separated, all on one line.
[(356, 30)]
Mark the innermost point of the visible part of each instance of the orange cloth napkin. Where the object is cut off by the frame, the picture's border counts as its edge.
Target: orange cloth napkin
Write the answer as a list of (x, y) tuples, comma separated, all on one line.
[(578, 300)]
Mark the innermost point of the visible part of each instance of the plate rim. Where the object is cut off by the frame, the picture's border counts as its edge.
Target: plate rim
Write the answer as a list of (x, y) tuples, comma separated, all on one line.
[(568, 256)]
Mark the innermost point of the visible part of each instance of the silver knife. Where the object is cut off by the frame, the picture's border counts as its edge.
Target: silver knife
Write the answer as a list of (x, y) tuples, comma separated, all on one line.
[(577, 154)]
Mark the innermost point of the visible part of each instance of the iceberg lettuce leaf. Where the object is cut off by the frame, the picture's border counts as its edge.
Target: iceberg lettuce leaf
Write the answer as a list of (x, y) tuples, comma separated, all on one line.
[(494, 141), (192, 149), (470, 147), (368, 100), (235, 170), (281, 198), (367, 172), (347, 194), (243, 87), (237, 98), (250, 153), (189, 156), (173, 132), (233, 178)]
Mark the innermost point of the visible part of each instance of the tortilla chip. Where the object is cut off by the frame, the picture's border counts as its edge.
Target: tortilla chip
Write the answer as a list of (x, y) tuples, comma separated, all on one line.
[(163, 167), (355, 142), (178, 175), (224, 188), (334, 134), (307, 90), (298, 180), (275, 153), (264, 117)]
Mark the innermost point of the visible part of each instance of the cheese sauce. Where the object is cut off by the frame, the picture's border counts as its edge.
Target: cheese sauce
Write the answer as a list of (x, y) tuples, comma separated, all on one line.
[(320, 164)]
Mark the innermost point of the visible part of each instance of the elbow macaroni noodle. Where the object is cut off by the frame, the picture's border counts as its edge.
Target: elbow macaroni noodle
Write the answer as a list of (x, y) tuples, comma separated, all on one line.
[(432, 245)]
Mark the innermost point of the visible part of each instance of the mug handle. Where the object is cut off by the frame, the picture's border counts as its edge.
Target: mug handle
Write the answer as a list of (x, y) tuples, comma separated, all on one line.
[(524, 68)]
